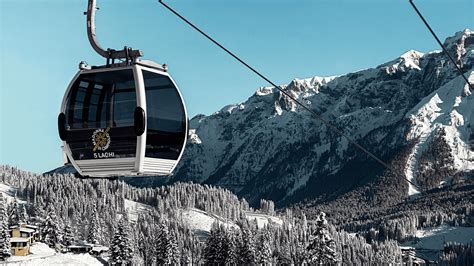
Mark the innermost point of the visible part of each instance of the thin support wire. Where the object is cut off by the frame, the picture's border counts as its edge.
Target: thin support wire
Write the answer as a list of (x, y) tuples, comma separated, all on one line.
[(312, 112), (441, 44)]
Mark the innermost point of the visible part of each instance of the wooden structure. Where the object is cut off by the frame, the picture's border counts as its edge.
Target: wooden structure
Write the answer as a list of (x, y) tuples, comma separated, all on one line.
[(20, 246)]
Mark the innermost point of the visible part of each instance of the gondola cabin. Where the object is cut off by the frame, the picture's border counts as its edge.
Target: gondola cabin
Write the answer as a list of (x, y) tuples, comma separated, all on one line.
[(123, 120)]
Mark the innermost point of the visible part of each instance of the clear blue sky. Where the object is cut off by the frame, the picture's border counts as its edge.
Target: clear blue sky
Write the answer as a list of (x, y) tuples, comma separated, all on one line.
[(42, 42)]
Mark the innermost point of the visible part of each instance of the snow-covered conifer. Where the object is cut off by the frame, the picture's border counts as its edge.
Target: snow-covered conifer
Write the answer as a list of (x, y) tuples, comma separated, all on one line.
[(22, 214), (4, 234), (68, 238), (121, 252), (284, 252), (264, 249), (213, 249), (51, 228), (247, 247), (167, 247), (14, 212), (94, 227), (321, 248)]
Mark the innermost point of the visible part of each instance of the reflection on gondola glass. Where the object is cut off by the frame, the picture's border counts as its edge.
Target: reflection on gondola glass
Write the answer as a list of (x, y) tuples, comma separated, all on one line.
[(166, 118), (102, 100)]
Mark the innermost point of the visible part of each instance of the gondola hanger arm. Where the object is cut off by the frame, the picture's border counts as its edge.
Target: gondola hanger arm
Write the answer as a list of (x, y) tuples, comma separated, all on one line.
[(126, 53)]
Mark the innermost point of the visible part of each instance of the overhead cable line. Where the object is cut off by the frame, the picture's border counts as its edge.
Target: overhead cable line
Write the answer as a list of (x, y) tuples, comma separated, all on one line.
[(441, 44), (312, 112), (412, 3)]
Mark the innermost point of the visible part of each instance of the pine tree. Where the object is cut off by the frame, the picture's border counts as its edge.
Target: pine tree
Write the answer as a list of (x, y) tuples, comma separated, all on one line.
[(51, 229), (68, 238), (264, 249), (284, 253), (247, 246), (120, 248), (221, 247), (22, 214), (167, 246), (14, 213), (322, 248), (38, 212), (213, 248), (5, 245), (229, 245), (94, 228), (174, 248), (144, 247)]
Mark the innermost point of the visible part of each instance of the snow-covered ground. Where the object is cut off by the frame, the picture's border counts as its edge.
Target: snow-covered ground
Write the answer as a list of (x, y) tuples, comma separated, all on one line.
[(200, 222), (449, 108), (38, 251), (431, 240), (41, 254), (263, 219), (9, 193), (434, 238), (134, 208)]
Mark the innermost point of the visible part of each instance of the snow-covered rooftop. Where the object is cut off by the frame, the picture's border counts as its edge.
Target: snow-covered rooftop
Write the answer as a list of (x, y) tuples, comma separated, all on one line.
[(19, 239), (27, 230)]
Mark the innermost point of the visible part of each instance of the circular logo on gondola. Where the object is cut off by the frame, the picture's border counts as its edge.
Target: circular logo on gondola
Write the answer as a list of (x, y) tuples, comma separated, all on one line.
[(101, 139)]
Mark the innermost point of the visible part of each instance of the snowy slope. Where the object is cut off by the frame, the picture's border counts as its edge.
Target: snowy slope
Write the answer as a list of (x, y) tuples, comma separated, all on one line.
[(434, 238), (431, 240), (41, 254), (268, 147), (450, 108), (263, 219), (9, 193), (200, 222), (134, 208)]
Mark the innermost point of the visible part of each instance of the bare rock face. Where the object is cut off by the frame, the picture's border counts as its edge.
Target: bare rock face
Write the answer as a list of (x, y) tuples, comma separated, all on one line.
[(268, 147)]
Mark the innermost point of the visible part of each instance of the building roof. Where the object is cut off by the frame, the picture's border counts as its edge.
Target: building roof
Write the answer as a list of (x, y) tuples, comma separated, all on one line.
[(31, 226), (80, 246), (100, 248), (23, 225), (18, 239), (27, 230)]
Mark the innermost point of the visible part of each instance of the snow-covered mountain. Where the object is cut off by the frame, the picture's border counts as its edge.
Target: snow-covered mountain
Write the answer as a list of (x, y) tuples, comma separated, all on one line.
[(415, 107)]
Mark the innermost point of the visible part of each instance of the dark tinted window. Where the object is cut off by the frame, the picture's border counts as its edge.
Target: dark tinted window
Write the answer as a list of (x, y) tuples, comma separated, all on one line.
[(166, 119), (104, 100)]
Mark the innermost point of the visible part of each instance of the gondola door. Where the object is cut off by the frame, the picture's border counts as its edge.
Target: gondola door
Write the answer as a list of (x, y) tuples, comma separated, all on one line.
[(99, 116)]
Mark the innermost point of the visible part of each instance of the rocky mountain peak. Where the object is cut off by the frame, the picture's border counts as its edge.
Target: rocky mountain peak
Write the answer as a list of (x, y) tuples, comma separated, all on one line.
[(267, 147), (406, 61), (461, 45)]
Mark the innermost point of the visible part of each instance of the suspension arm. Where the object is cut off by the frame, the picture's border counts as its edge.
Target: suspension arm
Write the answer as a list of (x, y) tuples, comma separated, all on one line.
[(125, 53)]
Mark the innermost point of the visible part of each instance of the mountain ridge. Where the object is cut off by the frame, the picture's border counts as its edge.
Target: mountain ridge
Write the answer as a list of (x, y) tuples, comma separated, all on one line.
[(267, 147)]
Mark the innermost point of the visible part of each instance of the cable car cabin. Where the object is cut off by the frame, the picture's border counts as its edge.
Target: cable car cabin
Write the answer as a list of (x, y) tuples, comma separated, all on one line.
[(123, 120)]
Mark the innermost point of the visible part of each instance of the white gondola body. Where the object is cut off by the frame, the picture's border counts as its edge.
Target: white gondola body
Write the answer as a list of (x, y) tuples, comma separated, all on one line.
[(112, 164)]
